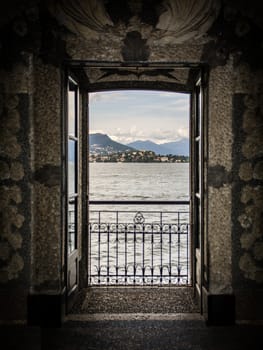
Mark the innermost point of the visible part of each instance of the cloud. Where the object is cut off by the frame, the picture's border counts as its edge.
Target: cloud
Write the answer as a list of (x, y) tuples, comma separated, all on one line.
[(158, 135), (127, 116), (98, 131), (183, 132), (107, 96), (157, 105)]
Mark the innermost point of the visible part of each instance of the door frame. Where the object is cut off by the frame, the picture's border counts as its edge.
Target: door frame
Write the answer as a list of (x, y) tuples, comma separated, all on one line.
[(199, 149), (85, 88), (72, 257)]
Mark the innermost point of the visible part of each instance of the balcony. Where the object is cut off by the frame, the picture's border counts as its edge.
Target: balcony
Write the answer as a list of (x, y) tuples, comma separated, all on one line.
[(139, 247)]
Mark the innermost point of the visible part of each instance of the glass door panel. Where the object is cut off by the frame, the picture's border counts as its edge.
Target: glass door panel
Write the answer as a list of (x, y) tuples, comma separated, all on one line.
[(72, 185)]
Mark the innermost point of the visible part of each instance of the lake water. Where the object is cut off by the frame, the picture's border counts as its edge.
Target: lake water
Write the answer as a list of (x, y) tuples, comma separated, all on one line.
[(139, 181), (141, 244)]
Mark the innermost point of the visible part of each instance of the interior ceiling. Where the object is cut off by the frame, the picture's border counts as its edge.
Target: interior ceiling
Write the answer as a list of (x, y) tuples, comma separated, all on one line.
[(108, 74), (167, 77)]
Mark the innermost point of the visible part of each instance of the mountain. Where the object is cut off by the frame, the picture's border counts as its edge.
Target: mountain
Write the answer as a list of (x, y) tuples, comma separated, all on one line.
[(149, 146), (103, 144), (180, 147)]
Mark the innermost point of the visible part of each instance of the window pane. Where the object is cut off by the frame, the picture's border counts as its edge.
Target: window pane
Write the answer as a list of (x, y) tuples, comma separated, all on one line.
[(72, 184), (198, 111), (72, 242), (72, 112)]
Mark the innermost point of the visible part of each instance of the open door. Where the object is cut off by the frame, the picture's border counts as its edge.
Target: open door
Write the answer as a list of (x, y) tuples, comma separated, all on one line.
[(197, 184), (72, 160)]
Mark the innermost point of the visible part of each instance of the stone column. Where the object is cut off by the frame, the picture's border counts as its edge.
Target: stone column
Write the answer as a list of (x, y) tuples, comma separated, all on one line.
[(46, 296), (218, 297)]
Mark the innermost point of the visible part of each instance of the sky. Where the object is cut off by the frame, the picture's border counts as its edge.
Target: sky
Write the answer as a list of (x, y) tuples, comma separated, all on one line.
[(128, 116)]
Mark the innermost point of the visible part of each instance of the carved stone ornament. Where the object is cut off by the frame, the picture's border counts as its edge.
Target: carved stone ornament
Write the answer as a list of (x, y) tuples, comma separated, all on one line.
[(84, 17), (183, 20), (178, 20)]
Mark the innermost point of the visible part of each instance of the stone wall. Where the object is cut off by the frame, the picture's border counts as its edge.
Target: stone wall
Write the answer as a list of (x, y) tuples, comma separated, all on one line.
[(16, 188), (30, 171), (47, 230), (247, 193), (220, 141)]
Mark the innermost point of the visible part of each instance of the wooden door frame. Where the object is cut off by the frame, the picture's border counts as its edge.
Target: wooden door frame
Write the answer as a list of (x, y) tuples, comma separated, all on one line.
[(198, 173), (74, 255)]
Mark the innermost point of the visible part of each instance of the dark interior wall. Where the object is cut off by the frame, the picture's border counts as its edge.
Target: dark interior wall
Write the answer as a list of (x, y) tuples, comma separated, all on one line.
[(247, 193), (235, 186), (16, 188)]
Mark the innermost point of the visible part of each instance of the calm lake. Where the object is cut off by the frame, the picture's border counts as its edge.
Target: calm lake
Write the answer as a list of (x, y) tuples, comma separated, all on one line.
[(128, 241), (139, 181)]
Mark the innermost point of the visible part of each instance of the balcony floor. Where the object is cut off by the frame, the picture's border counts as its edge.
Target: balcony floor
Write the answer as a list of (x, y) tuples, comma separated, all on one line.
[(132, 300)]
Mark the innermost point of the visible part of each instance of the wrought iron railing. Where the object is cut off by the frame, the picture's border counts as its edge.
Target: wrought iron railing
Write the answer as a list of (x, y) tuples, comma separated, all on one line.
[(139, 247)]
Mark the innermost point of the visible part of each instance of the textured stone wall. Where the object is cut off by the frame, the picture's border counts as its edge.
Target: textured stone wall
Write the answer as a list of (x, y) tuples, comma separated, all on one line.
[(247, 194), (12, 171), (47, 230), (220, 141), (15, 187), (235, 194)]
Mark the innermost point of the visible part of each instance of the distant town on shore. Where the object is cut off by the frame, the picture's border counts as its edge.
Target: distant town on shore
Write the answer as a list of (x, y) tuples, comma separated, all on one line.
[(137, 157), (103, 149)]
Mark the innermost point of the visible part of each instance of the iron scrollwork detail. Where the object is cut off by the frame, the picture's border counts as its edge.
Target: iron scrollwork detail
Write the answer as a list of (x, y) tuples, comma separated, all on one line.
[(139, 218)]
